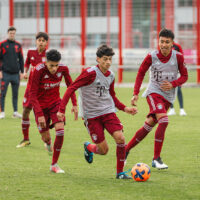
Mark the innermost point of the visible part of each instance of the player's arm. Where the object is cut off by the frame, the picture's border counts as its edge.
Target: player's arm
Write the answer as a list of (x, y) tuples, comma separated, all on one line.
[(27, 65), (34, 90), (86, 78), (183, 72), (119, 104), (21, 62), (140, 77), (166, 85), (68, 82)]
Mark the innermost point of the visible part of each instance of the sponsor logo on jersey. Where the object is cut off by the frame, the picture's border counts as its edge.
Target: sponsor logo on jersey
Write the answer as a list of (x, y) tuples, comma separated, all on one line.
[(159, 106), (32, 58), (94, 137)]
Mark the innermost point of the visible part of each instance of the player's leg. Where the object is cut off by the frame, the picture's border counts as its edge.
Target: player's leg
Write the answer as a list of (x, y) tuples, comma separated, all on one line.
[(140, 134), (96, 131), (25, 127), (4, 88), (120, 153), (159, 139), (59, 128), (180, 100), (15, 91)]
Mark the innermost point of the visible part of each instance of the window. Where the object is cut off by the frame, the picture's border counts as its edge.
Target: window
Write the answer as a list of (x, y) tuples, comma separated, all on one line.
[(185, 3)]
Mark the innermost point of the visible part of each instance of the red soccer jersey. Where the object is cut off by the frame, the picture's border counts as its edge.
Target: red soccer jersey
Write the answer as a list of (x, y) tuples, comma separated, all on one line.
[(33, 58), (44, 91)]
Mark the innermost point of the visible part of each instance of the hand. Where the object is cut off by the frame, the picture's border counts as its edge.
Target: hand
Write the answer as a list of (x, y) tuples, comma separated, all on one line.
[(1, 75), (21, 76), (60, 116), (131, 110), (134, 100), (25, 75), (42, 122), (166, 86), (75, 111)]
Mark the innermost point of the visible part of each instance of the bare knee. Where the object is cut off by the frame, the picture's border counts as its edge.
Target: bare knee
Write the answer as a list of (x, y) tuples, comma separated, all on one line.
[(46, 137), (119, 137)]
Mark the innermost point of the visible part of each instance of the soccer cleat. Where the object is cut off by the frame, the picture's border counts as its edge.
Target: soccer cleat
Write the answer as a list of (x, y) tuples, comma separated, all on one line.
[(56, 169), (171, 112), (158, 163), (23, 143), (123, 175), (17, 115), (49, 148), (182, 112), (2, 115), (88, 154)]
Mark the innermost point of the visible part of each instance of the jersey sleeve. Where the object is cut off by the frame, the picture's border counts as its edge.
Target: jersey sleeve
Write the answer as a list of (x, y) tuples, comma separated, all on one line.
[(27, 62), (141, 73), (118, 104), (183, 71), (34, 90), (68, 82), (84, 79)]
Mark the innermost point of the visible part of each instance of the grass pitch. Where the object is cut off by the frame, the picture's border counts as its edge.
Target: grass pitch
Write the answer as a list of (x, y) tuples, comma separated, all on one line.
[(24, 173)]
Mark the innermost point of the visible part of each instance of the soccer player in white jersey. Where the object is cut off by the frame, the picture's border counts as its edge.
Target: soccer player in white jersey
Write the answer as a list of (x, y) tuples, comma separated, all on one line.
[(164, 66), (98, 105)]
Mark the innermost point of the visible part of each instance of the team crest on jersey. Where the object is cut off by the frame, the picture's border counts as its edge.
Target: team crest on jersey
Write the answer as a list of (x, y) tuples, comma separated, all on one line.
[(59, 74), (94, 137), (159, 106), (46, 76)]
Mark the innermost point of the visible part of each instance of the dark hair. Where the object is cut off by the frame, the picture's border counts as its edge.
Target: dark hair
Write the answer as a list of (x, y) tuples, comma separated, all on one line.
[(53, 55), (11, 28), (166, 33), (42, 34), (104, 50)]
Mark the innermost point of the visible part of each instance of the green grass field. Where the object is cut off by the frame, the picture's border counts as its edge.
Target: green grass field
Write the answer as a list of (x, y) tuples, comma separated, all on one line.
[(24, 173)]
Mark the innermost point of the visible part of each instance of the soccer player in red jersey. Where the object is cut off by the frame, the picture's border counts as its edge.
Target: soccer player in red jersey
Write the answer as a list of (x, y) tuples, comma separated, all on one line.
[(34, 57), (45, 99), (98, 105), (164, 66)]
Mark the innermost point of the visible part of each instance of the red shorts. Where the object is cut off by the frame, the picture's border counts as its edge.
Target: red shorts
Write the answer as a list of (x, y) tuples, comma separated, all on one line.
[(96, 126), (26, 101), (50, 115), (157, 104)]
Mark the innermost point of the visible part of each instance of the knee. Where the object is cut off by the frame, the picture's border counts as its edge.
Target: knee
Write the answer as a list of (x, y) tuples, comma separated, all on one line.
[(104, 150), (26, 113), (120, 139), (46, 138)]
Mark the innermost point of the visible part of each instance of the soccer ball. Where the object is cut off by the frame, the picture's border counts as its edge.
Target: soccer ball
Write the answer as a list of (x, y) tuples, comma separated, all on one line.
[(141, 172)]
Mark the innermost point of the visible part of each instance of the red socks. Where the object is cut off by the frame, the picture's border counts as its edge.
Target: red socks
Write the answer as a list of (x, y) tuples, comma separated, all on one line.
[(25, 128), (139, 136), (57, 145), (159, 135), (120, 152)]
